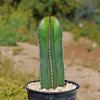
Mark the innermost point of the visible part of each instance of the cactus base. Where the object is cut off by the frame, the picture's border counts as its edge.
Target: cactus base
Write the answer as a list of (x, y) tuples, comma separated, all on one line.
[(39, 95)]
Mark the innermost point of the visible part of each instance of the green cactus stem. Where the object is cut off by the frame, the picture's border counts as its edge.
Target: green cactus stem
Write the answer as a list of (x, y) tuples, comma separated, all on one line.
[(51, 57)]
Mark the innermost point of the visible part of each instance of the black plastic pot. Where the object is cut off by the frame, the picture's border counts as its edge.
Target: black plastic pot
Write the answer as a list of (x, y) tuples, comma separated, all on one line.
[(65, 95)]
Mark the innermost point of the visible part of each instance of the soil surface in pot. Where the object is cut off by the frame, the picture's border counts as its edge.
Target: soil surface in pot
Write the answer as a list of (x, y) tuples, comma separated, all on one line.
[(37, 86)]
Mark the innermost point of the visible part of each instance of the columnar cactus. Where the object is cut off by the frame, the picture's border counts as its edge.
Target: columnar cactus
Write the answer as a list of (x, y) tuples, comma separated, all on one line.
[(51, 57)]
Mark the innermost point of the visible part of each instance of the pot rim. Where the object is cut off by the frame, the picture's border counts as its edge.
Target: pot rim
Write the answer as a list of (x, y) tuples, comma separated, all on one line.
[(68, 91)]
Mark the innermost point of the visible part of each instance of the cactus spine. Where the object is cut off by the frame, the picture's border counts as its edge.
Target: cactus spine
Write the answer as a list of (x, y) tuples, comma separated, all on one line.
[(51, 58)]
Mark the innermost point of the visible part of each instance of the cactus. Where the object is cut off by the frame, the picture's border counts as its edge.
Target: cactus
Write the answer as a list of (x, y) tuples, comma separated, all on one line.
[(51, 57)]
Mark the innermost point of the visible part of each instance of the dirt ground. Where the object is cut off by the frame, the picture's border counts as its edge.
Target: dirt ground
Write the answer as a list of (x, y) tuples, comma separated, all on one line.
[(82, 63)]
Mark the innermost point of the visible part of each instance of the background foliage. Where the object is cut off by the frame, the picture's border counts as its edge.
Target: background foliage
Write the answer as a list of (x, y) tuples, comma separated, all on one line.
[(19, 18)]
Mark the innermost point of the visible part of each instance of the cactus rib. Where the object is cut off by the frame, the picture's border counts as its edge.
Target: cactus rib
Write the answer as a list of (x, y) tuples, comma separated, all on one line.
[(45, 68)]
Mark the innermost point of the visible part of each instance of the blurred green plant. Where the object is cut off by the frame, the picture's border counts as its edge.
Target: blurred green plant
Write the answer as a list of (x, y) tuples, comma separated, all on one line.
[(12, 90), (61, 9), (96, 18), (91, 31), (68, 25), (16, 24), (87, 29), (76, 33), (87, 10), (19, 18), (97, 2)]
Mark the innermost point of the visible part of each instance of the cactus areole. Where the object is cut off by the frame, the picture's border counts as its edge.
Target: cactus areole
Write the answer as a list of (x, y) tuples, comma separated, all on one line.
[(51, 56)]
